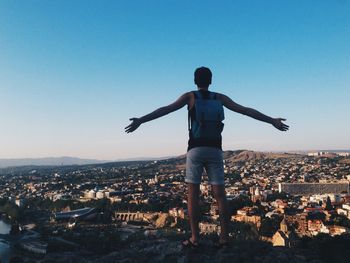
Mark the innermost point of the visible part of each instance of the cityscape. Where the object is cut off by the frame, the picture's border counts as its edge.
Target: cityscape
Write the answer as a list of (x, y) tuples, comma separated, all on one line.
[(99, 101), (105, 212)]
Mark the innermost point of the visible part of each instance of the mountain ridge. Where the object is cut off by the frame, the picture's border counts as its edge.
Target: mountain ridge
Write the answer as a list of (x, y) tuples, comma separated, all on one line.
[(229, 155), (47, 161)]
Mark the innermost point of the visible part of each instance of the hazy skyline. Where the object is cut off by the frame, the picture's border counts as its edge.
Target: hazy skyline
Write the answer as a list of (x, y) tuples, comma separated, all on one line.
[(73, 72)]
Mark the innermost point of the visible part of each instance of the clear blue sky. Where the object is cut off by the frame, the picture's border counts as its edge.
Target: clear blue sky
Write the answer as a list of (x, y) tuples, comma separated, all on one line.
[(73, 72)]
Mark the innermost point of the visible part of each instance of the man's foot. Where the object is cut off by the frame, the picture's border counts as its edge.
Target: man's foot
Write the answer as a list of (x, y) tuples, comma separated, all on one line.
[(188, 243)]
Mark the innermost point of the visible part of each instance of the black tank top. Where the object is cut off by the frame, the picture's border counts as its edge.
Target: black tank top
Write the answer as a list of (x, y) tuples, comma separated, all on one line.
[(192, 143)]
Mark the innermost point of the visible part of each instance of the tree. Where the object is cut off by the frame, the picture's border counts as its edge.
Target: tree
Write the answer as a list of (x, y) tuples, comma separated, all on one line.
[(244, 231), (269, 226), (329, 204), (276, 195), (238, 203), (12, 210), (341, 220)]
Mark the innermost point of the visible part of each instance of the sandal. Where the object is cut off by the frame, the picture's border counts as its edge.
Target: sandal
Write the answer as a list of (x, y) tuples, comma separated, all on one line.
[(189, 244)]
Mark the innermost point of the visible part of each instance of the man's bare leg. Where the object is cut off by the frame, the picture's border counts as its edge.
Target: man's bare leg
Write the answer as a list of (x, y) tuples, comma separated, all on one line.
[(193, 210), (220, 196)]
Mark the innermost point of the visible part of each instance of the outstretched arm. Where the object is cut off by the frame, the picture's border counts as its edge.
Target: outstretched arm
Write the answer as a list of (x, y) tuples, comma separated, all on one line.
[(179, 103), (231, 105)]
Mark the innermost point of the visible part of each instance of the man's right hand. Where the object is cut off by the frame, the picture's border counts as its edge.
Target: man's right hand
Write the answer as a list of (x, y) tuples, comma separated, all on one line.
[(136, 122)]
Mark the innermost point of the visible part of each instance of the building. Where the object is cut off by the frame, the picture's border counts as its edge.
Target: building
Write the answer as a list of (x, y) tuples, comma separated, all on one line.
[(314, 226), (34, 246), (284, 237), (337, 230), (314, 188), (100, 195), (19, 202), (254, 219), (280, 239), (254, 193), (299, 222), (90, 194), (177, 212), (208, 228)]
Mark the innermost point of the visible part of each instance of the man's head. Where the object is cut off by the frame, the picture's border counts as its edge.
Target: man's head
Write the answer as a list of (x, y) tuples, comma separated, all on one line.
[(202, 77)]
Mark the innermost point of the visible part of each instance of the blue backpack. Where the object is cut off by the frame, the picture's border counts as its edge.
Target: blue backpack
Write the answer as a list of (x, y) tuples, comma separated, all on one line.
[(206, 122)]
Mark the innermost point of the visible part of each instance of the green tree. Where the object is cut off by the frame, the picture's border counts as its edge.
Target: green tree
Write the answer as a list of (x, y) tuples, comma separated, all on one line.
[(329, 204), (243, 231), (341, 220), (238, 203), (269, 226)]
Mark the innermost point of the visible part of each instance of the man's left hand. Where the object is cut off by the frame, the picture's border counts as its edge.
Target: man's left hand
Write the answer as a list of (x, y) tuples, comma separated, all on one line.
[(278, 124)]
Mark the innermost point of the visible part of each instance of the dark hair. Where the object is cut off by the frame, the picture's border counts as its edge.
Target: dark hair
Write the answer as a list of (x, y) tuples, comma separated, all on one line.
[(202, 77)]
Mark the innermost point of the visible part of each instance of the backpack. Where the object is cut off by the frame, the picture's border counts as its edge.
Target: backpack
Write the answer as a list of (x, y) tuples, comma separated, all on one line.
[(206, 122)]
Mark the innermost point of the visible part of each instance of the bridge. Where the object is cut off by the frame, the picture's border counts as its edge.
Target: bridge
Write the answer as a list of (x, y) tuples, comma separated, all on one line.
[(134, 216)]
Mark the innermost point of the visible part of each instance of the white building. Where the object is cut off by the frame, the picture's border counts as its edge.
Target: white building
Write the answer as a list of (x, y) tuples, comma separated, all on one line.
[(100, 195), (90, 194), (19, 202)]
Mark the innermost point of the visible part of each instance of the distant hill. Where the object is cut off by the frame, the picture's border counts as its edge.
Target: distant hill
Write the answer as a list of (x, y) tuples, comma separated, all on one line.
[(237, 156), (48, 161), (231, 156), (244, 155)]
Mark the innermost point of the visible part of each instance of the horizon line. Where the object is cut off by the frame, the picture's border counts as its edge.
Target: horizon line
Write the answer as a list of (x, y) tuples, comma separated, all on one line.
[(170, 156)]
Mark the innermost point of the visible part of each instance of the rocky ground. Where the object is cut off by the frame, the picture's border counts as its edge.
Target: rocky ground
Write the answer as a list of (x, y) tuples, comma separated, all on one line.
[(171, 251), (165, 250), (319, 249)]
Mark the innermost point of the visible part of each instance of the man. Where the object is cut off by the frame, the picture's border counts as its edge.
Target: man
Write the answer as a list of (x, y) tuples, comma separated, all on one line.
[(205, 145)]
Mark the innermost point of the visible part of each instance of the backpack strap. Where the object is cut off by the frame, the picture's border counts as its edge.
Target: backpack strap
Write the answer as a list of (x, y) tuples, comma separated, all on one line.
[(195, 94), (189, 121)]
